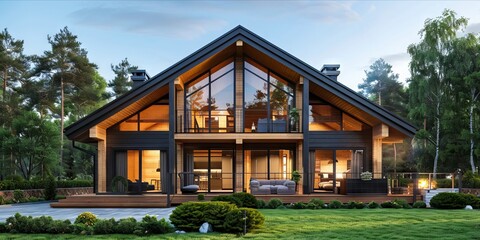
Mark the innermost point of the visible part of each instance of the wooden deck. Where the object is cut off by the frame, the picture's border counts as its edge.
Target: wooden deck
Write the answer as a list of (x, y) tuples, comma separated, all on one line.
[(160, 200)]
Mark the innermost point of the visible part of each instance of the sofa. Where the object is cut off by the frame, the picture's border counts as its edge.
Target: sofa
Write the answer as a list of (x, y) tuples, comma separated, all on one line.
[(286, 187)]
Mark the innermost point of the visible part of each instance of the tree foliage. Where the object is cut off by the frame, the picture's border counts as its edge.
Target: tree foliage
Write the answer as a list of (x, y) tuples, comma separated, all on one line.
[(121, 83)]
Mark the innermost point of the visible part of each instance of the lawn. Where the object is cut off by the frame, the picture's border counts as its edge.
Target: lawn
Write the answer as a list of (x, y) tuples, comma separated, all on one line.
[(339, 224)]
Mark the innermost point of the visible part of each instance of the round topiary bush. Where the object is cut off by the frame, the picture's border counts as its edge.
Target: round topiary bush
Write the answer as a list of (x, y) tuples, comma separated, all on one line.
[(317, 203), (335, 204), (419, 204), (246, 199), (238, 219), (373, 205), (191, 215), (471, 200), (447, 200), (86, 218), (390, 204), (274, 203), (261, 204), (299, 205), (227, 198), (126, 225), (360, 205)]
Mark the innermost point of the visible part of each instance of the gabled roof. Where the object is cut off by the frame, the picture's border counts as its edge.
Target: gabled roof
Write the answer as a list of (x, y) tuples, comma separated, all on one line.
[(240, 33)]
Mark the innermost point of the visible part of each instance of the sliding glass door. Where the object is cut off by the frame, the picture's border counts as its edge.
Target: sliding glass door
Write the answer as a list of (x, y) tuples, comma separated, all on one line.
[(212, 168), (332, 167), (142, 169)]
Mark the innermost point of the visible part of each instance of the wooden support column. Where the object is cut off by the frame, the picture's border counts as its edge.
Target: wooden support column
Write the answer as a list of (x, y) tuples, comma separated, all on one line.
[(305, 154), (171, 144), (239, 94), (239, 168), (379, 132), (101, 135)]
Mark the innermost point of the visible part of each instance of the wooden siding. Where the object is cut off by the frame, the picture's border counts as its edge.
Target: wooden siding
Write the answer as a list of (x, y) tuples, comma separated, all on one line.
[(343, 140)]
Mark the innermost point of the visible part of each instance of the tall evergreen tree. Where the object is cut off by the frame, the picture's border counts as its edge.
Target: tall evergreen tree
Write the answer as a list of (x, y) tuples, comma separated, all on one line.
[(121, 83), (428, 70), (381, 85), (12, 61), (67, 75)]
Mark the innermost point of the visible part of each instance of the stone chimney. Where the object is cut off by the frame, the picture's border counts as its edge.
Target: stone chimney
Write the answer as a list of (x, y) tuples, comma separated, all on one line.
[(331, 70), (139, 77)]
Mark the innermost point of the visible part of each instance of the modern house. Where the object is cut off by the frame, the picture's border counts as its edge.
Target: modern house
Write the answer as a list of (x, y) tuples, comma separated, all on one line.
[(238, 109)]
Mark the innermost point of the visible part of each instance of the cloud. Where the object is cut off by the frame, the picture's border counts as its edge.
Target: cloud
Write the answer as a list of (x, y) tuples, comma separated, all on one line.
[(324, 11), (396, 57), (473, 28), (152, 22)]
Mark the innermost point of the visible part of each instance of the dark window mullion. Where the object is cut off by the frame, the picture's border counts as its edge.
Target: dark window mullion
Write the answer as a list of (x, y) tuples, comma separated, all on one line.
[(208, 170), (269, 120), (209, 106)]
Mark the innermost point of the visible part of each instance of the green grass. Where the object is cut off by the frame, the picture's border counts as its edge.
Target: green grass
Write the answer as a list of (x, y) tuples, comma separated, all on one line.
[(337, 224)]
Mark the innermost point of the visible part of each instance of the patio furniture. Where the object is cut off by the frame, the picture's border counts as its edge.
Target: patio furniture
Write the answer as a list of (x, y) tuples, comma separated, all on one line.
[(285, 187), (187, 180)]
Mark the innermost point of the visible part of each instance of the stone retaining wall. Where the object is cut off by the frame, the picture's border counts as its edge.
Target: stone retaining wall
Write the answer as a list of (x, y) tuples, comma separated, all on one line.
[(474, 191), (8, 194)]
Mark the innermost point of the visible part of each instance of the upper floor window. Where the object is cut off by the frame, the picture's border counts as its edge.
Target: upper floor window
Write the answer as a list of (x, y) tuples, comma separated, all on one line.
[(153, 118), (268, 100), (209, 100), (325, 117)]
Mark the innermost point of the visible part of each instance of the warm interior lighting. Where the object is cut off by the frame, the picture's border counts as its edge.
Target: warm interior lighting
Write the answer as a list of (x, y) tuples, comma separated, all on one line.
[(424, 184), (284, 166)]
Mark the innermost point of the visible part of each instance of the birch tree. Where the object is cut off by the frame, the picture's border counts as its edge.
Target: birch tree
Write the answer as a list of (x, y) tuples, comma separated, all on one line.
[(428, 65)]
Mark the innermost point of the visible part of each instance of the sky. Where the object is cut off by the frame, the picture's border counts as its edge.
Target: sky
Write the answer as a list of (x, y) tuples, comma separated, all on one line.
[(154, 35)]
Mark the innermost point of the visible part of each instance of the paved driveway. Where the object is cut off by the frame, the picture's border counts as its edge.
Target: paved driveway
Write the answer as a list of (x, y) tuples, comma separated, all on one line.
[(39, 209)]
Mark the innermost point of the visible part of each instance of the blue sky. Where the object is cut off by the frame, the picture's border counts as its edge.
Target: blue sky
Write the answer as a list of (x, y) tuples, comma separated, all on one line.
[(156, 34)]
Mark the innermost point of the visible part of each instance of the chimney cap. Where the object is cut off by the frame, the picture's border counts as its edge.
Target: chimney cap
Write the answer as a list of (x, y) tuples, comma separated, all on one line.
[(330, 67)]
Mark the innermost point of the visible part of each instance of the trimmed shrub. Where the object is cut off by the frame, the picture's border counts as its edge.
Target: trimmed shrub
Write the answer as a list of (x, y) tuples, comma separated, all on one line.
[(335, 204), (18, 196), (317, 203), (402, 203), (274, 203), (86, 218), (299, 205), (50, 188), (447, 200), (390, 204), (281, 207), (227, 198), (60, 227), (126, 226), (471, 200), (201, 197), (373, 205), (350, 205), (237, 219), (191, 215), (106, 226), (150, 225), (3, 227), (419, 204), (82, 229), (246, 199), (360, 205), (261, 204)]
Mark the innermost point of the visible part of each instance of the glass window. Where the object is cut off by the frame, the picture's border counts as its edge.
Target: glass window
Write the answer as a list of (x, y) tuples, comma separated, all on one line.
[(268, 99), (209, 101), (154, 118), (351, 124), (324, 118), (130, 124)]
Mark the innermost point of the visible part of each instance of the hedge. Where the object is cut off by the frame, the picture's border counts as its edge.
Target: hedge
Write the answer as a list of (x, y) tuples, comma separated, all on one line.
[(40, 184), (223, 216)]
